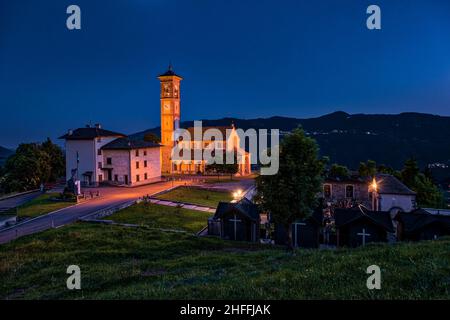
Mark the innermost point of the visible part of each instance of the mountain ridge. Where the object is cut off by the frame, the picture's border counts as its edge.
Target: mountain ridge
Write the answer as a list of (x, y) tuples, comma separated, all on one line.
[(351, 138)]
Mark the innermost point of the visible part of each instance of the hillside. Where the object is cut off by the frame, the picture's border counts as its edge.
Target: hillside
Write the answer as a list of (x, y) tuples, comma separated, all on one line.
[(349, 139), (140, 263)]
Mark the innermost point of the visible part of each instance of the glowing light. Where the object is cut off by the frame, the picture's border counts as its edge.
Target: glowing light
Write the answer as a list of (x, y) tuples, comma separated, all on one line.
[(374, 185)]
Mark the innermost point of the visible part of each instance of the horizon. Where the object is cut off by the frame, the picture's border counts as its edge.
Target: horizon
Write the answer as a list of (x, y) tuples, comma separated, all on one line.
[(60, 142), (234, 58)]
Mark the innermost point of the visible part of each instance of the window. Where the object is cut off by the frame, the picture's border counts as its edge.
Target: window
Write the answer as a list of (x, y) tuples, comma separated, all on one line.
[(116, 178), (145, 152), (108, 161), (349, 191), (145, 163), (99, 152), (138, 178), (99, 165), (137, 153), (327, 190), (137, 164), (145, 176), (100, 178)]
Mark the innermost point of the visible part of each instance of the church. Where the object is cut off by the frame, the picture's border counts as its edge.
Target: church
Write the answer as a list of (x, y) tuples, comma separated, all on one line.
[(170, 123), (95, 155)]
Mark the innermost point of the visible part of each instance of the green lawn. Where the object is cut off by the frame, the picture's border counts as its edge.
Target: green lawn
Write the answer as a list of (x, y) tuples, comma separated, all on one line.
[(42, 205), (137, 263), (197, 196), (165, 217)]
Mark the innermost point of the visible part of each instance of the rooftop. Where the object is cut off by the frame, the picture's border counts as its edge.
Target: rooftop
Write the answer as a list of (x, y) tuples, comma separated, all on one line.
[(388, 184), (128, 144), (89, 133)]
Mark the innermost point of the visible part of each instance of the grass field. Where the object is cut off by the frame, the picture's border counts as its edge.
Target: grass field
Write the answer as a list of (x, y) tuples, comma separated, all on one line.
[(138, 263), (158, 216), (42, 205), (197, 196)]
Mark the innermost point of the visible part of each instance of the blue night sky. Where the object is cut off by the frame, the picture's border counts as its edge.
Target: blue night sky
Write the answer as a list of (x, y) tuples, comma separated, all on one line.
[(239, 58)]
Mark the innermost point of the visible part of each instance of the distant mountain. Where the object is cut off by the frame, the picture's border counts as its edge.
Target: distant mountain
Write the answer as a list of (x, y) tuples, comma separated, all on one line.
[(348, 139), (4, 154)]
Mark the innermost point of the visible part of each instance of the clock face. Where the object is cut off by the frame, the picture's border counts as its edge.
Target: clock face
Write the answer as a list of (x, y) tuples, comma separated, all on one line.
[(166, 107)]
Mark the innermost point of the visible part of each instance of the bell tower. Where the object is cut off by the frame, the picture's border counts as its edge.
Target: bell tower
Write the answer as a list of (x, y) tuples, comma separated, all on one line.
[(170, 115)]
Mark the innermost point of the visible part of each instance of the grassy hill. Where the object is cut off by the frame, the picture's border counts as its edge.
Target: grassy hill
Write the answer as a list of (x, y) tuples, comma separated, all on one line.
[(139, 263)]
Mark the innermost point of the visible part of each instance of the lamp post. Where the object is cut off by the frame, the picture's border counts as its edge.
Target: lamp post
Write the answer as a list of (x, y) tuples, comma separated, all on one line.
[(374, 194)]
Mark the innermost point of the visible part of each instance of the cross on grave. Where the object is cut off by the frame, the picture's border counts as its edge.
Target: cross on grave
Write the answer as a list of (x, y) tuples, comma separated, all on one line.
[(295, 228), (235, 220), (363, 234)]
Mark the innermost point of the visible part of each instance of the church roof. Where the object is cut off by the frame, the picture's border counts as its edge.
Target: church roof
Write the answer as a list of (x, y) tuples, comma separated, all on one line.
[(244, 206), (222, 129), (388, 184), (90, 133), (344, 217), (169, 73), (129, 144), (418, 219)]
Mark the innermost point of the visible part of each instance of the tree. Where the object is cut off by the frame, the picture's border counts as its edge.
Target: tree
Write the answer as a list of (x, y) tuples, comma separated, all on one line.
[(292, 192), (428, 194), (224, 168), (338, 171), (27, 168), (367, 169), (57, 159), (31, 165)]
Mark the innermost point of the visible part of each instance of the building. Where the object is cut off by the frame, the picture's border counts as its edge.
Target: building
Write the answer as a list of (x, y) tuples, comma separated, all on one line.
[(387, 193), (383, 192), (238, 221), (131, 162), (346, 192), (95, 155), (230, 144), (360, 226), (422, 224), (170, 123)]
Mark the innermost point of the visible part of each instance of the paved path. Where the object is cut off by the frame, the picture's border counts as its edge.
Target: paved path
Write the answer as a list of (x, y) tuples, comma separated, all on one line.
[(18, 200), (109, 197), (184, 205)]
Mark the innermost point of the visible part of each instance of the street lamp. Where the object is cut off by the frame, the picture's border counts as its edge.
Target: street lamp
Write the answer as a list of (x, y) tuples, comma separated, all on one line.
[(374, 193)]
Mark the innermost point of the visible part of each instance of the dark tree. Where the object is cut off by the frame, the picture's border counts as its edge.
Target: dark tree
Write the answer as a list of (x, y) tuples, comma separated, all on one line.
[(338, 171), (57, 160), (367, 169), (292, 192)]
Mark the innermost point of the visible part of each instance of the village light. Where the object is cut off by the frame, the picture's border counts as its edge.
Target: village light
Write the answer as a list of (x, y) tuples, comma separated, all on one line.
[(237, 194), (374, 185)]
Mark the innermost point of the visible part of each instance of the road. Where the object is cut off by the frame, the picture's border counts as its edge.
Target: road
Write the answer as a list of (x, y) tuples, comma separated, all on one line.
[(110, 197), (18, 200)]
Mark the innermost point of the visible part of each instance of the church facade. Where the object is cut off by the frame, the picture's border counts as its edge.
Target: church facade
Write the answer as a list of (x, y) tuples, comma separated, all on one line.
[(170, 124)]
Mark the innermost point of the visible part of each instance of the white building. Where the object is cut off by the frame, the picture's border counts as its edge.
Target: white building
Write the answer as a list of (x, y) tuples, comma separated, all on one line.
[(391, 195), (95, 155)]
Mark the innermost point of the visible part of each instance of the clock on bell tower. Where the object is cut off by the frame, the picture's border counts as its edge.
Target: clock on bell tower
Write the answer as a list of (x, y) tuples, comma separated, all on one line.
[(170, 114)]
